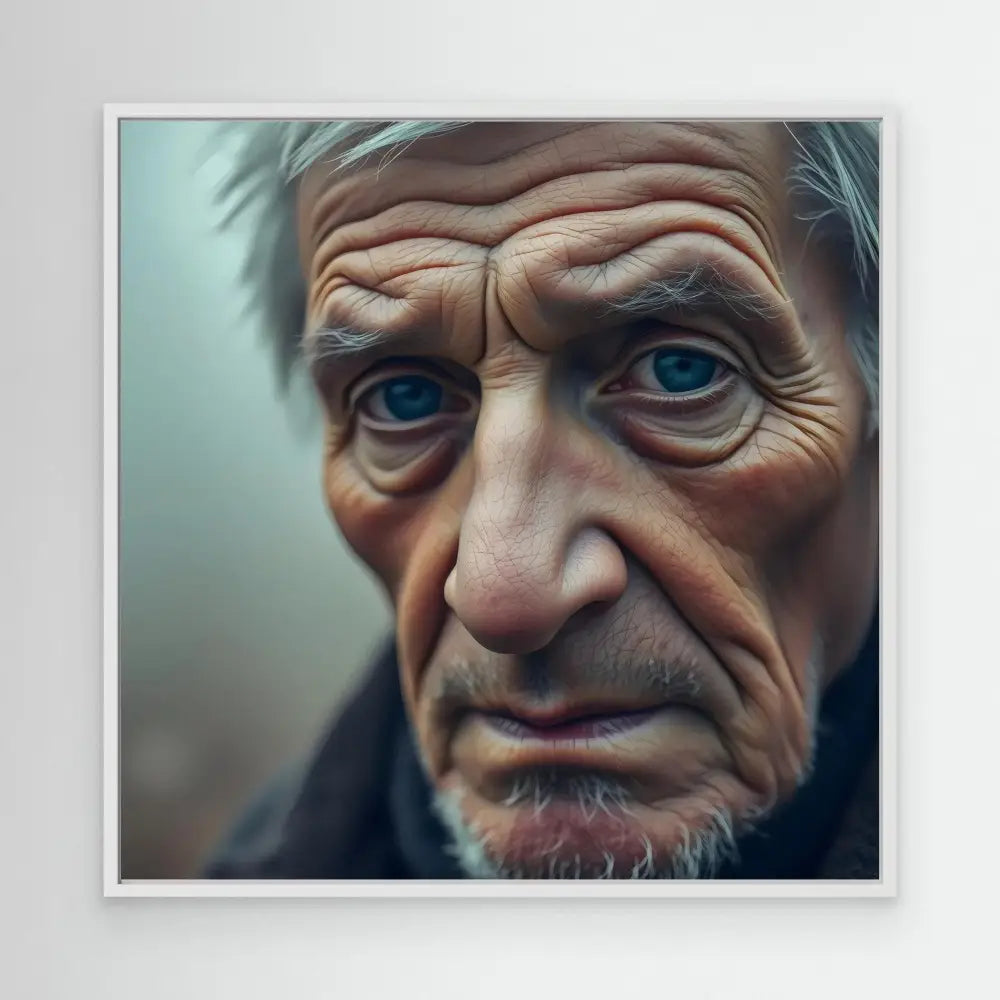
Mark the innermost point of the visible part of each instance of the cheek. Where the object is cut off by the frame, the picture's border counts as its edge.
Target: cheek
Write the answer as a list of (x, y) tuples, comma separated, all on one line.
[(798, 465), (373, 525), (828, 580), (763, 554), (795, 519), (409, 542)]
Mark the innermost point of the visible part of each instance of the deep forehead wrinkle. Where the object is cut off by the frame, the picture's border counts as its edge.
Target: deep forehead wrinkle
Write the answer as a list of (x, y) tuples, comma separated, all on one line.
[(329, 199), (568, 194), (582, 209), (697, 291)]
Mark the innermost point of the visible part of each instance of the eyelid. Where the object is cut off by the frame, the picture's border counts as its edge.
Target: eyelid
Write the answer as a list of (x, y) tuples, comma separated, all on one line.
[(458, 404), (733, 344), (397, 368), (677, 339)]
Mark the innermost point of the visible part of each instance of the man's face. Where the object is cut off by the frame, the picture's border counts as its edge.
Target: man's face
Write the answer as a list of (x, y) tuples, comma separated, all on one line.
[(594, 421)]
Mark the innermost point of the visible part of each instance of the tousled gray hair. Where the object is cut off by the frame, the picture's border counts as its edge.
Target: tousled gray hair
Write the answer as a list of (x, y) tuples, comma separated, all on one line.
[(834, 177)]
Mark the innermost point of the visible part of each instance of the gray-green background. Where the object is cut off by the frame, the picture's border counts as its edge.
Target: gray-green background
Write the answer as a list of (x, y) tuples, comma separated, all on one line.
[(243, 616)]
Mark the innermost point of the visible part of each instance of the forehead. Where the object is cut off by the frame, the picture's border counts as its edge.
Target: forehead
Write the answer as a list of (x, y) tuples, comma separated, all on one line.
[(541, 221), (488, 163)]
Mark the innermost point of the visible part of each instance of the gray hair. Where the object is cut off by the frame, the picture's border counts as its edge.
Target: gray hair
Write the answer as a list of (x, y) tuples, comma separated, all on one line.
[(834, 177)]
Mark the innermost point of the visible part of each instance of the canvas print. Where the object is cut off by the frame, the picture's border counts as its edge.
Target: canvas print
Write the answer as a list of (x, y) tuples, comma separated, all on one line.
[(499, 499)]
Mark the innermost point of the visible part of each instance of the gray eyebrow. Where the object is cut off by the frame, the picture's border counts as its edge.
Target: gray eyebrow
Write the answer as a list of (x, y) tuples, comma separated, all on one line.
[(701, 289), (329, 344)]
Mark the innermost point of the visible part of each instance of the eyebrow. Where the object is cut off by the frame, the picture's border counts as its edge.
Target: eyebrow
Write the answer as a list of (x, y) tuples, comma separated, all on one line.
[(701, 289), (329, 344)]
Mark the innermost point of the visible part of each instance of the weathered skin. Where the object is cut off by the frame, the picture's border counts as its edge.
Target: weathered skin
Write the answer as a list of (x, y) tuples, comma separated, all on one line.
[(565, 533)]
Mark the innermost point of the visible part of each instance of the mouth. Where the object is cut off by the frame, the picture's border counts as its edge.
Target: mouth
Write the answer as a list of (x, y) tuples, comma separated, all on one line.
[(581, 758), (582, 773), (567, 726), (660, 750)]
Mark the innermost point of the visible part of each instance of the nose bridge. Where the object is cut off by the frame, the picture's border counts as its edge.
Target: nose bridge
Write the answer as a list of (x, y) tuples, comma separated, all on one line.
[(509, 518), (530, 553)]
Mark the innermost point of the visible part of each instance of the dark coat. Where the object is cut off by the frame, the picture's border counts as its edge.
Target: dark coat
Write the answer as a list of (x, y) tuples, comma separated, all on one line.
[(360, 809)]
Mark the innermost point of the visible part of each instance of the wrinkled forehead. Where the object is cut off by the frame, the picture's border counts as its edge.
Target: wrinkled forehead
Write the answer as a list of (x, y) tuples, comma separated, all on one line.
[(487, 163)]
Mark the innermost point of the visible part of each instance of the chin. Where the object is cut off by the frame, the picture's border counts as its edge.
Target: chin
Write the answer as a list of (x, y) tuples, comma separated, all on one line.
[(575, 824)]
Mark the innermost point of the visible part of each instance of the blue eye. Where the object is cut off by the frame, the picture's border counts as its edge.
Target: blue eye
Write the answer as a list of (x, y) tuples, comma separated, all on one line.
[(679, 370), (411, 397)]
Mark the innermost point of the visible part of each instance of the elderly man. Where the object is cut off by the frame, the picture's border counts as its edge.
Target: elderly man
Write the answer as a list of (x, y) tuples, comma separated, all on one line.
[(601, 414)]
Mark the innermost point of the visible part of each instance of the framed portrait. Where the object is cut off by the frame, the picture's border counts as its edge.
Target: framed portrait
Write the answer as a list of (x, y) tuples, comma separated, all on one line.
[(499, 501)]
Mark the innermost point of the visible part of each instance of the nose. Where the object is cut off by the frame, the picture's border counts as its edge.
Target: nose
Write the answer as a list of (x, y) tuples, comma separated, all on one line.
[(531, 550)]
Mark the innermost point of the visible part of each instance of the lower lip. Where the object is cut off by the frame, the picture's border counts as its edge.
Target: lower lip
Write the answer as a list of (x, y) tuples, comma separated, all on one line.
[(666, 750), (590, 728)]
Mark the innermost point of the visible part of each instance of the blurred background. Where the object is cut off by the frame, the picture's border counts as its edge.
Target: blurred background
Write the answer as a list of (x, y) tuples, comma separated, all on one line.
[(244, 618)]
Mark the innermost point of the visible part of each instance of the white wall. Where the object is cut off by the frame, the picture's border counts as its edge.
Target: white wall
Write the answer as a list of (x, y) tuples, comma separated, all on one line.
[(244, 617)]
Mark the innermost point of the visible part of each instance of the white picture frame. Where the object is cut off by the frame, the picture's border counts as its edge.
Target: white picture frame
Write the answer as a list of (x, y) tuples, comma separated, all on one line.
[(885, 886)]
